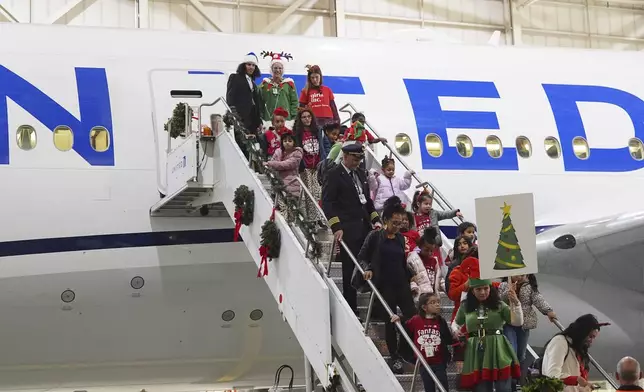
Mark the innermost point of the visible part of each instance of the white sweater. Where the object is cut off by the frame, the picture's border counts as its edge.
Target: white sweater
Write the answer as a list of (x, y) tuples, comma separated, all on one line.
[(554, 365)]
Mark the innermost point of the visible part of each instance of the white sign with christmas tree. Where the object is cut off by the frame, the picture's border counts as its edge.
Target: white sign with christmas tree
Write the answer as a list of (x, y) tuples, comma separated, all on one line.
[(506, 235)]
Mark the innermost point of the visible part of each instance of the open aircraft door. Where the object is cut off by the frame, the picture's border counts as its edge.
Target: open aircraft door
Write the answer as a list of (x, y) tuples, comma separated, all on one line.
[(168, 87)]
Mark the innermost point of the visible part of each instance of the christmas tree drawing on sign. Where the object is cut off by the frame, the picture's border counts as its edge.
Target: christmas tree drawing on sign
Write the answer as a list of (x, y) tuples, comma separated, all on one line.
[(508, 251)]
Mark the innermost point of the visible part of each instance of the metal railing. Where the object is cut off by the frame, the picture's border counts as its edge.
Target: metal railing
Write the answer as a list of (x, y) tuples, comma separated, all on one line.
[(437, 195)]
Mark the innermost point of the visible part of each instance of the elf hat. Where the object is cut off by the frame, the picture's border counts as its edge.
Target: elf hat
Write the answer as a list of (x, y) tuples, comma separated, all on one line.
[(476, 282)]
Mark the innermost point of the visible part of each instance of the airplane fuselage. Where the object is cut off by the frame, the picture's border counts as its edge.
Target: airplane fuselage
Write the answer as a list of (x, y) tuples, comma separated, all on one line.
[(66, 209)]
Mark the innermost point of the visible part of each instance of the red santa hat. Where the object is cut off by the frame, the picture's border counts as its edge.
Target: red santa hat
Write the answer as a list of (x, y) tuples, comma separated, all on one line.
[(280, 112)]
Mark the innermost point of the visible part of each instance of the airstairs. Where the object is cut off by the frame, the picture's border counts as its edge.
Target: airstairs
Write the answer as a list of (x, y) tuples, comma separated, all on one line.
[(304, 280)]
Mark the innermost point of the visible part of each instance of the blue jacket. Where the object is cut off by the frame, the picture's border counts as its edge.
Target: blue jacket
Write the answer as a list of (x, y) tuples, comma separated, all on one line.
[(325, 145)]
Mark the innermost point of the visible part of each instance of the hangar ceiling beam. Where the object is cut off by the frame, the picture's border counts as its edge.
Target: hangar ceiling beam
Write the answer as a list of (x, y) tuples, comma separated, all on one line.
[(527, 3), (4, 11), (339, 17), (202, 10), (63, 11), (282, 17)]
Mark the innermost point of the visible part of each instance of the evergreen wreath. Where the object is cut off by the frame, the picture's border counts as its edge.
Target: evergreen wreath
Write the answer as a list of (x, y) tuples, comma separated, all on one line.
[(178, 120), (270, 239), (244, 201), (544, 384)]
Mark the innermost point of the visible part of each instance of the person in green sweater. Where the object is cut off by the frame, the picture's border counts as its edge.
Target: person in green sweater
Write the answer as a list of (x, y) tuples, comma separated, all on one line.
[(278, 91)]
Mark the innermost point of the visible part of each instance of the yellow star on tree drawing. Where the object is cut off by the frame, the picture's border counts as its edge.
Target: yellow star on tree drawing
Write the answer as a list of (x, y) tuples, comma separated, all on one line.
[(508, 251)]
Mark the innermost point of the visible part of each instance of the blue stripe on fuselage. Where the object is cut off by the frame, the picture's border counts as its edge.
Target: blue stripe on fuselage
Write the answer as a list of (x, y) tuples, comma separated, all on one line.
[(114, 241), (139, 240)]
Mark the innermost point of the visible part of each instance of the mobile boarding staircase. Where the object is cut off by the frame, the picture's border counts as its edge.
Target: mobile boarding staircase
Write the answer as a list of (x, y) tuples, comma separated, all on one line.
[(205, 171)]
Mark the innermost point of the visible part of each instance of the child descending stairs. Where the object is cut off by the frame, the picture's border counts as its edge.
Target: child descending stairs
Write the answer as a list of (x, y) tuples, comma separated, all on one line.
[(376, 332)]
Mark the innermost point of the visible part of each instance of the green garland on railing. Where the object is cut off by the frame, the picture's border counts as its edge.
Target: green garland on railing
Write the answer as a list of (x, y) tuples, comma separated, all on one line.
[(308, 228), (178, 120)]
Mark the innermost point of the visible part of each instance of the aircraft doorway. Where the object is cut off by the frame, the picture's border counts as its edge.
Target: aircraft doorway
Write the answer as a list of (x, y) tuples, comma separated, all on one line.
[(169, 87)]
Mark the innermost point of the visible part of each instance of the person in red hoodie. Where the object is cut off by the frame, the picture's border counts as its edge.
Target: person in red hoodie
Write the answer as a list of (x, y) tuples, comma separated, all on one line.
[(273, 134), (319, 97)]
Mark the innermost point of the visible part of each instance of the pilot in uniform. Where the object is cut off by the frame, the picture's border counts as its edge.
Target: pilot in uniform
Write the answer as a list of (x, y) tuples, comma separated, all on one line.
[(348, 206)]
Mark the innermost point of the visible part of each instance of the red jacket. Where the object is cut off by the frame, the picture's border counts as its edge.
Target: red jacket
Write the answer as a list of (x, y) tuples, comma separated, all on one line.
[(469, 268), (273, 139)]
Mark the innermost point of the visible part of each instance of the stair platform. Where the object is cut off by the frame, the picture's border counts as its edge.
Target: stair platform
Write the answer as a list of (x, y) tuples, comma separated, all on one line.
[(192, 199)]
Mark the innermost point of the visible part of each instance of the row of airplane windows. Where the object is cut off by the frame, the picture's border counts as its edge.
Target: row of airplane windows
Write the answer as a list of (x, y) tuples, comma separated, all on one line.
[(465, 148), (27, 139)]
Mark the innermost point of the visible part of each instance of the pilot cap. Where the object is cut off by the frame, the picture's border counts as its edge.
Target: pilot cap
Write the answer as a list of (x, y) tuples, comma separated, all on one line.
[(353, 149), (250, 58)]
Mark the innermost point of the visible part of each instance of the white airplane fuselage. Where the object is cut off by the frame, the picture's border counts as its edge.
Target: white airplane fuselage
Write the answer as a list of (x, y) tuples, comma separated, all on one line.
[(80, 219)]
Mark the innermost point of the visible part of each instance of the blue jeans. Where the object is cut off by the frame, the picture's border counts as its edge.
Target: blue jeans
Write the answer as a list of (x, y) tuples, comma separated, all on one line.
[(493, 386), (428, 382), (518, 338)]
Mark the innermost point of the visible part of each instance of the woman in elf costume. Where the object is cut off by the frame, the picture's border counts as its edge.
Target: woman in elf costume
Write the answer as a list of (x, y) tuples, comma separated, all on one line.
[(277, 91), (490, 361)]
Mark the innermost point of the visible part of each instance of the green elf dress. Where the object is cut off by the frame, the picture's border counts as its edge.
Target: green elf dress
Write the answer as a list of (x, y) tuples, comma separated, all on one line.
[(278, 95), (489, 356)]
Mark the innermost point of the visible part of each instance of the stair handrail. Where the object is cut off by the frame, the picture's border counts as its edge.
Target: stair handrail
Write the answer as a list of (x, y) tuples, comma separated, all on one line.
[(322, 271), (442, 201)]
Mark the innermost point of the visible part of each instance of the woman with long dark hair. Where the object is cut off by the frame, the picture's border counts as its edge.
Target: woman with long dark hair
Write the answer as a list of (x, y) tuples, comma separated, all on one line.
[(243, 94), (530, 298), (490, 362), (307, 137), (383, 258), (566, 354)]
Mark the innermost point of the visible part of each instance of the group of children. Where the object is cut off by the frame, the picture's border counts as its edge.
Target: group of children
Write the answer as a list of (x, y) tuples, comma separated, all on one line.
[(314, 144)]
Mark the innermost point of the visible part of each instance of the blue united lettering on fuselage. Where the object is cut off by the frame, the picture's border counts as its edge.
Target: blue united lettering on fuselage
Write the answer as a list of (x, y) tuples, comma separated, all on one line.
[(94, 108)]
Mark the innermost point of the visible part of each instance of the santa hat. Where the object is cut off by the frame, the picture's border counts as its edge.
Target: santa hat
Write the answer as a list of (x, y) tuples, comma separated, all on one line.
[(280, 112), (250, 58)]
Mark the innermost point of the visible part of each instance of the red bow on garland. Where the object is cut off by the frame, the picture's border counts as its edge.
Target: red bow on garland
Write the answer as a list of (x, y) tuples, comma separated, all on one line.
[(263, 252), (238, 224)]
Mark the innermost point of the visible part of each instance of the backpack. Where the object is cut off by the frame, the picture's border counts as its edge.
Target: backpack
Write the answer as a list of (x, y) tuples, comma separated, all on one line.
[(322, 168), (535, 370)]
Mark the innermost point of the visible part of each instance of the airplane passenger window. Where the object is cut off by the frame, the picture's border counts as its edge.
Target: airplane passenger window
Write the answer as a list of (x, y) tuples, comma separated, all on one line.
[(524, 147), (494, 146), (552, 146), (63, 138), (403, 144), (464, 146), (434, 145), (99, 139), (636, 149), (26, 137), (580, 147)]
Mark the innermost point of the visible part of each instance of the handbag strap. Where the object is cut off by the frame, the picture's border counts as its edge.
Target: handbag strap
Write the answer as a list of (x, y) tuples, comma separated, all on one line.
[(278, 375)]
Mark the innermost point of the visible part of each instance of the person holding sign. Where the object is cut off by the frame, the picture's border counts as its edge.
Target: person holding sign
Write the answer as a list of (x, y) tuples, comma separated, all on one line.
[(490, 361)]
